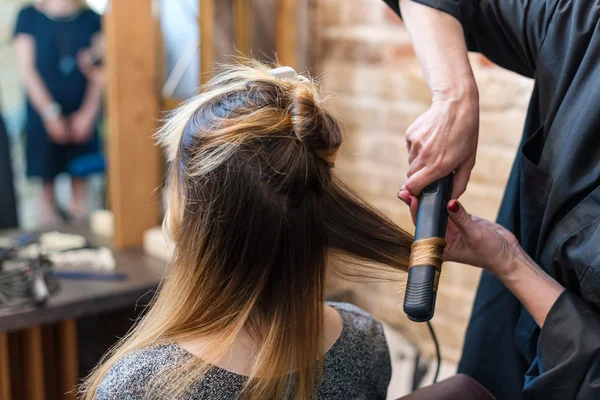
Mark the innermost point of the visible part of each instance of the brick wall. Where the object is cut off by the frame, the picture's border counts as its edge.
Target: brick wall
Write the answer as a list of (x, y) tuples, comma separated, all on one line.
[(367, 62)]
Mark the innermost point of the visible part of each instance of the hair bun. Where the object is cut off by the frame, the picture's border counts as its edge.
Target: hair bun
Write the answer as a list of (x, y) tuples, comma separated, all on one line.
[(313, 125)]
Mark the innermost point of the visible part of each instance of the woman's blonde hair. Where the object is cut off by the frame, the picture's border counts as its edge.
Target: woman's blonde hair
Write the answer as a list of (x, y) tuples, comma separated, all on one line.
[(256, 214)]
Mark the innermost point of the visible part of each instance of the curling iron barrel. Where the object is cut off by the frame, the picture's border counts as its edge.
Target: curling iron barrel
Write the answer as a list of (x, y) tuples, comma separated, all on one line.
[(423, 274)]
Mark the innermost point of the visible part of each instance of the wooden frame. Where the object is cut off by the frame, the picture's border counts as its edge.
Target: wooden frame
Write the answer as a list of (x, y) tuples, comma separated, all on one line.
[(40, 362), (5, 384), (242, 28), (207, 46), (68, 360), (35, 388), (134, 168), (170, 103), (286, 31)]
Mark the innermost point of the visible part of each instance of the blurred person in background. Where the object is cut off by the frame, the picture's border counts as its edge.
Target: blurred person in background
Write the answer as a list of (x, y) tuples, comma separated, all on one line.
[(57, 46)]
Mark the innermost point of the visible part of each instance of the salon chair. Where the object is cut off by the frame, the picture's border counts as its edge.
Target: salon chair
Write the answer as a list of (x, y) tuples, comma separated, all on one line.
[(459, 387)]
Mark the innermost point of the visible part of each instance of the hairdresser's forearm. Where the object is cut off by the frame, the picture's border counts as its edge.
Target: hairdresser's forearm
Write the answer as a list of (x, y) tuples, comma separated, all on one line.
[(536, 290), (438, 40)]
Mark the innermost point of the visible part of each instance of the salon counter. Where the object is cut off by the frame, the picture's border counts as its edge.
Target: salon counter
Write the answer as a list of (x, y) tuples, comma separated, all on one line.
[(77, 298), (29, 334)]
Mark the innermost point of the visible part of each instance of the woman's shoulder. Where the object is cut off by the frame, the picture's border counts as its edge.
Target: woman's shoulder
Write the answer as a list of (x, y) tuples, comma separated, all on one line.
[(360, 326), (361, 354), (129, 376), (354, 316)]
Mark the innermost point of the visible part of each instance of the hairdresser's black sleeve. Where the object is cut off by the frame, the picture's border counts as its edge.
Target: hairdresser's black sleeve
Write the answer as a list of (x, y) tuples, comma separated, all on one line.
[(567, 365), (508, 32), (567, 360)]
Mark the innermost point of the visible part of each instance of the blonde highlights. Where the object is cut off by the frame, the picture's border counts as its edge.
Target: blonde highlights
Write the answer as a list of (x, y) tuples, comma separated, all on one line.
[(258, 218)]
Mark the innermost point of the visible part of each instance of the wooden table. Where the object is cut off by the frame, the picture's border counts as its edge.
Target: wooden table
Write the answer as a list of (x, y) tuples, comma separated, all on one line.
[(39, 344)]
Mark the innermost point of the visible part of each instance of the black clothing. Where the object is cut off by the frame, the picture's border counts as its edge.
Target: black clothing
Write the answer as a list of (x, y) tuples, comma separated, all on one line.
[(552, 201)]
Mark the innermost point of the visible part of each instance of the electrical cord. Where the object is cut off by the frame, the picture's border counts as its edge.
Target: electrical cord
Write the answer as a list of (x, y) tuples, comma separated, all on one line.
[(437, 351)]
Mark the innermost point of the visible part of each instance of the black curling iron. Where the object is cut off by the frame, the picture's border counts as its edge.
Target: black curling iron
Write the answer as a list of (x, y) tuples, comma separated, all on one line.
[(432, 217)]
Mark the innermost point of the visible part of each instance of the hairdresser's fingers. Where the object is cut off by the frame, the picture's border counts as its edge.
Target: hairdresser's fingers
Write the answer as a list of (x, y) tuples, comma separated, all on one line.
[(506, 234), (422, 178), (485, 223), (405, 196), (461, 218), (415, 163), (414, 150), (409, 146), (461, 177), (412, 137), (414, 209)]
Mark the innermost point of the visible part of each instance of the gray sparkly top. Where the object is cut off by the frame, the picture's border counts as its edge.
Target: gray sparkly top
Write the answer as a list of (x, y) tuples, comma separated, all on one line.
[(356, 367)]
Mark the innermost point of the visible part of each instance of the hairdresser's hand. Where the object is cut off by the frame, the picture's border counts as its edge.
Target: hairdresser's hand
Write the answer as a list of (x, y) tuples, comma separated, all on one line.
[(442, 140), (475, 241)]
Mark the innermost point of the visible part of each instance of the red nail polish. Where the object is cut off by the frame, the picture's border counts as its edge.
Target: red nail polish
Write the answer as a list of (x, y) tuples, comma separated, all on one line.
[(453, 206)]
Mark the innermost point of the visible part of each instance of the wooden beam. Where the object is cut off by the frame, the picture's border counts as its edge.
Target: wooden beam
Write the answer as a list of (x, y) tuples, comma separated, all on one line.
[(33, 364), (51, 373), (68, 360), (285, 32), (16, 362), (171, 103), (241, 10), (134, 169), (207, 39), (5, 392)]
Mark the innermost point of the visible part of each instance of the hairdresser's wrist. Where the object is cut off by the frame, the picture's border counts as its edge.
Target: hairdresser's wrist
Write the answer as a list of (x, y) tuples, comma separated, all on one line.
[(534, 288), (462, 89), (509, 267)]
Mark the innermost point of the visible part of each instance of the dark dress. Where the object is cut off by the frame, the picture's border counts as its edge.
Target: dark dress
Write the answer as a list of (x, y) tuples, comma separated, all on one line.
[(551, 203), (57, 42)]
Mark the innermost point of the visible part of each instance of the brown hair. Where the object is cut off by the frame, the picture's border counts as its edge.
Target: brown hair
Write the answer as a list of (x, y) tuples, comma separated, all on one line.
[(256, 214)]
